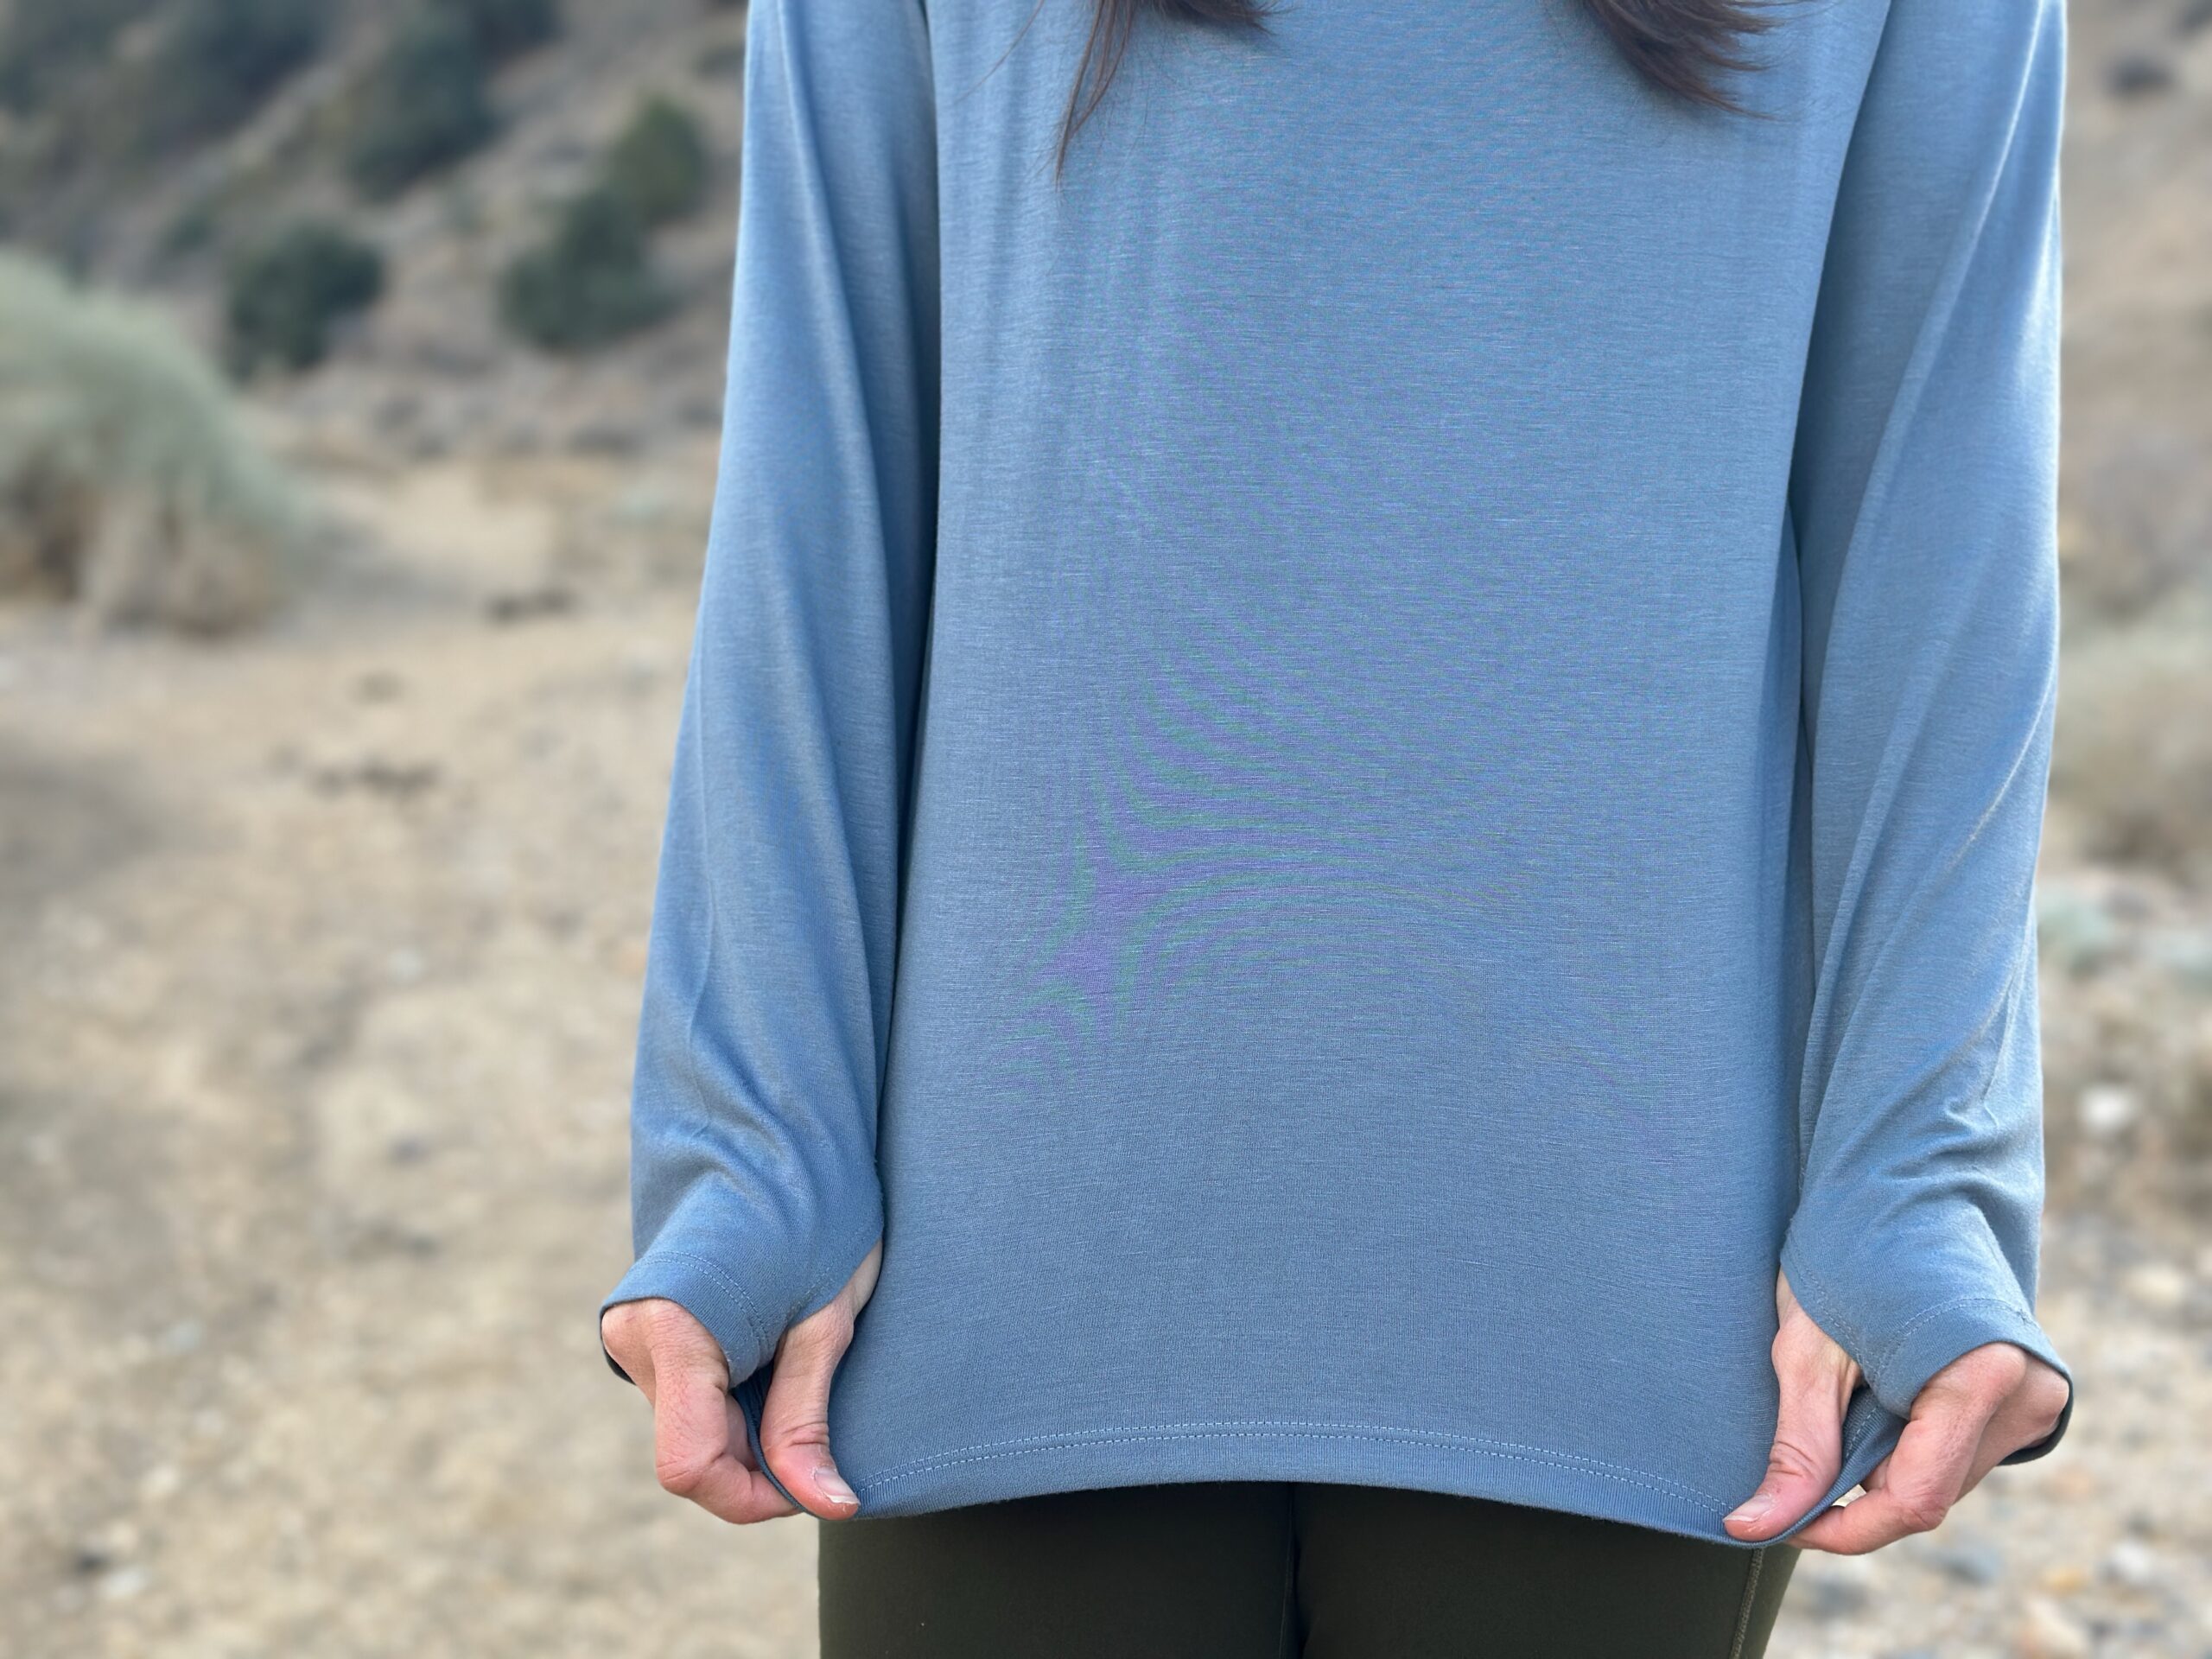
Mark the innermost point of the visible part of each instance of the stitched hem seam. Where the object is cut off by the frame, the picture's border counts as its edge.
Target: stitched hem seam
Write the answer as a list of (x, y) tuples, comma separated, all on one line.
[(714, 1270), (1897, 1346), (1263, 1428)]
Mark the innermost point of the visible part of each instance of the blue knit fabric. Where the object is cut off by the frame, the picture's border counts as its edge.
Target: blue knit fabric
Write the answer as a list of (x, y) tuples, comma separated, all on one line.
[(1348, 770)]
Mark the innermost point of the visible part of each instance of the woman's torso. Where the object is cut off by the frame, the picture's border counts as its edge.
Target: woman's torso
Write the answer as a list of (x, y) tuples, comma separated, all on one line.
[(1349, 885)]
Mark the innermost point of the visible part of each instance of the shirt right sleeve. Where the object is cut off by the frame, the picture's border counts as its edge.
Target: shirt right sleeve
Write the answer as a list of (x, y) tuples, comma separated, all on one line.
[(766, 1013), (1924, 504)]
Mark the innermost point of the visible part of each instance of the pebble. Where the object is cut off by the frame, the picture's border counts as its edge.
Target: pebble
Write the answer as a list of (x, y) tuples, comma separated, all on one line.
[(123, 1583), (1971, 1560), (2134, 1564), (2159, 1285), (2049, 1631), (2064, 1580), (2107, 1108)]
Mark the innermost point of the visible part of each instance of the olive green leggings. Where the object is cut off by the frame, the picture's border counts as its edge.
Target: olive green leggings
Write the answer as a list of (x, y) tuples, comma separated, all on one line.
[(1271, 1570)]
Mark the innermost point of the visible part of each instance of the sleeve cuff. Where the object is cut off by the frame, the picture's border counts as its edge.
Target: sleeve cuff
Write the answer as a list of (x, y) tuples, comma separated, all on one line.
[(1898, 1365), (707, 1291), (749, 1271), (1951, 1329)]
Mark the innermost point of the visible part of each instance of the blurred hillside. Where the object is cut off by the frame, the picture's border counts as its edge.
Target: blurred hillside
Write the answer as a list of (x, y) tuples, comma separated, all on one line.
[(448, 143), (391, 392)]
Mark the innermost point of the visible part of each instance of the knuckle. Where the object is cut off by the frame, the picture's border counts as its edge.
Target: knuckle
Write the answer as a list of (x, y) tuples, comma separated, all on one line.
[(2004, 1366), (2046, 1404), (1984, 1375), (682, 1471), (1921, 1511), (666, 1325), (807, 1429), (618, 1327), (1791, 1460)]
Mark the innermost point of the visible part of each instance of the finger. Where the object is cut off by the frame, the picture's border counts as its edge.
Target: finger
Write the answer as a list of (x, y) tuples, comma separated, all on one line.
[(795, 1421), (1914, 1488), (1816, 1377), (698, 1432), (2029, 1412), (623, 1334)]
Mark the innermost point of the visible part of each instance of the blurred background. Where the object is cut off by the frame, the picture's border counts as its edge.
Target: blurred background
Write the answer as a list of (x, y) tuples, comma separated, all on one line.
[(360, 364)]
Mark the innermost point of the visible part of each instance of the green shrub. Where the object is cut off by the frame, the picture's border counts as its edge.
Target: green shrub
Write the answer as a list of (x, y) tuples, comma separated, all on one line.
[(424, 105), (218, 62), (658, 163), (506, 29), (126, 479), (43, 46), (589, 282), (192, 228), (286, 292)]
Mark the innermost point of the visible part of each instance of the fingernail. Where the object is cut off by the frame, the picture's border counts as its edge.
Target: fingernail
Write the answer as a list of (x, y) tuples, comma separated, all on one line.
[(1754, 1506), (833, 1487)]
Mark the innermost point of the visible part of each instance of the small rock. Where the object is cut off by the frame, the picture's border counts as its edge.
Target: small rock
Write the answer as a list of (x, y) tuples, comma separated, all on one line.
[(2159, 1285), (2138, 74), (123, 1583), (550, 600), (2108, 1108), (376, 776), (2135, 1564), (1969, 1559), (2049, 1631), (2065, 1579)]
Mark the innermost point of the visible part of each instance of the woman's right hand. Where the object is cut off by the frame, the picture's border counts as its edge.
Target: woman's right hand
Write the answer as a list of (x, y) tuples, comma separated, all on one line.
[(700, 1448)]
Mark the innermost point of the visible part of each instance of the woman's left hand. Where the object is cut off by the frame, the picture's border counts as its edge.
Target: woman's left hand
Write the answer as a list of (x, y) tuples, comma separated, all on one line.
[(1979, 1409)]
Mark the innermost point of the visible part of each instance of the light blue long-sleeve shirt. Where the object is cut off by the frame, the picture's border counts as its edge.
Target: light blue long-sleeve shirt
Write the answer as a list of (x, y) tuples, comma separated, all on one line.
[(1347, 772)]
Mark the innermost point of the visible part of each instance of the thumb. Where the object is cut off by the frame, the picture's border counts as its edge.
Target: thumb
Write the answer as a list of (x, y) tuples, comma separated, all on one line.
[(795, 1418), (1816, 1377), (795, 1421)]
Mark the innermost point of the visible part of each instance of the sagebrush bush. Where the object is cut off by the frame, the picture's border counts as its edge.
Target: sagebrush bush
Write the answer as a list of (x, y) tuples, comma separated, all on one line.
[(217, 63), (659, 161), (590, 282), (424, 105), (285, 292), (126, 481)]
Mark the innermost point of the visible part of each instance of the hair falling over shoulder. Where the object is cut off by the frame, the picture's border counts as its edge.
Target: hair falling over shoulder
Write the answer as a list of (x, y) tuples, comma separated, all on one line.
[(1682, 46)]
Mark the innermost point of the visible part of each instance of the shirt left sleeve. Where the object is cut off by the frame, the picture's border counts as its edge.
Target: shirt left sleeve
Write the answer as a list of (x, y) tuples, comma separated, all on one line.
[(1923, 501), (764, 1034)]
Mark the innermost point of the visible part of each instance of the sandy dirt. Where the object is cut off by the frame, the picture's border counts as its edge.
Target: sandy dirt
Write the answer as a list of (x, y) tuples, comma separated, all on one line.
[(316, 1007)]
